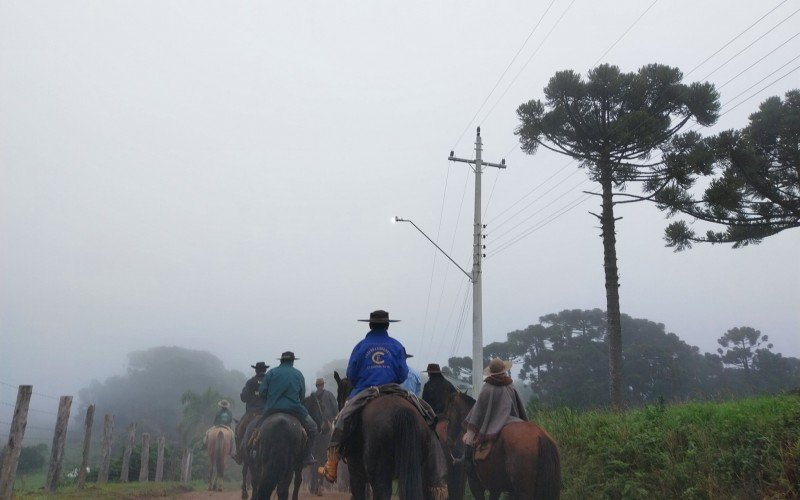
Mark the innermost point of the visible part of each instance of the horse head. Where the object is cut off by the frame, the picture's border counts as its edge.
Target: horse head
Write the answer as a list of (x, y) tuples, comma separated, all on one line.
[(343, 389), (456, 409)]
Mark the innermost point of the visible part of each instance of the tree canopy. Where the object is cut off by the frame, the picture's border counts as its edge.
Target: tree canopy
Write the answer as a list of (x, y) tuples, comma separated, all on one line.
[(563, 362), (754, 173), (151, 391), (612, 123)]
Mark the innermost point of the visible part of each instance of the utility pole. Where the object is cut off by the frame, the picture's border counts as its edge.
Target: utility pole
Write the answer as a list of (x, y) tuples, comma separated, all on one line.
[(477, 256)]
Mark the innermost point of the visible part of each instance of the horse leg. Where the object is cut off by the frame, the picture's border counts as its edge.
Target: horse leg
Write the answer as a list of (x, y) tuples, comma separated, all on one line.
[(244, 479), (475, 486), (298, 479), (358, 479)]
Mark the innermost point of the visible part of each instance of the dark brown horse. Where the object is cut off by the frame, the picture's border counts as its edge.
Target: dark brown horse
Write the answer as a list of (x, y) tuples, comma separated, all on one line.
[(280, 456), (523, 460), (388, 440)]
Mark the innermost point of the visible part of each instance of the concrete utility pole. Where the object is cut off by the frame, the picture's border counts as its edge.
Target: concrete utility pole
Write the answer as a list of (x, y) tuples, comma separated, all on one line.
[(477, 255)]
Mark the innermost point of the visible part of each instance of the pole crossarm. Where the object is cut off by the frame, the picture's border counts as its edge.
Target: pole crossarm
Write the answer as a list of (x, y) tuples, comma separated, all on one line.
[(400, 219)]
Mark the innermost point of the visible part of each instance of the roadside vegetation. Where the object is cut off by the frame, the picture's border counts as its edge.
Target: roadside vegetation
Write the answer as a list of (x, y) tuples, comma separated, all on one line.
[(740, 449)]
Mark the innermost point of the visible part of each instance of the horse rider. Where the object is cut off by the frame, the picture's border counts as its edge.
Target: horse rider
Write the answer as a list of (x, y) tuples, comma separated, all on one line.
[(437, 389), (376, 361), (254, 405), (322, 407), (498, 404), (224, 417), (412, 383), (284, 388)]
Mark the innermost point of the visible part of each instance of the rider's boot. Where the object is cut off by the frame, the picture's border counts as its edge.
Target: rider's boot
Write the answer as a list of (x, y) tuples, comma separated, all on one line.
[(466, 457), (330, 469)]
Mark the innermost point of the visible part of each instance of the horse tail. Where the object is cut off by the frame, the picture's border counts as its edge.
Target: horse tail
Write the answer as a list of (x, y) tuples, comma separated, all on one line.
[(408, 456), (548, 469), (220, 453)]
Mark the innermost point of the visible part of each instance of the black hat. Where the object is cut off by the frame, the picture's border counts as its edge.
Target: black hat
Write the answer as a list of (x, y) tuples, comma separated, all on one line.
[(260, 366), (432, 368), (287, 356), (379, 316)]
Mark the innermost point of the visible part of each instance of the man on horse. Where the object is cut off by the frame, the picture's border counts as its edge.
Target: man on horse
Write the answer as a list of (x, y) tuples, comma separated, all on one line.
[(437, 389), (412, 383), (322, 407), (224, 417), (378, 361), (284, 389), (254, 405), (498, 404)]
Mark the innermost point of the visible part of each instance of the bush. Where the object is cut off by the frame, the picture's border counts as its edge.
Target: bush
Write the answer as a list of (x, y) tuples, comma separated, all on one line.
[(742, 449)]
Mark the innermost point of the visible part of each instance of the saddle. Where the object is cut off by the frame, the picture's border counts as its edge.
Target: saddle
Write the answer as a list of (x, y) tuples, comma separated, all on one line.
[(256, 436)]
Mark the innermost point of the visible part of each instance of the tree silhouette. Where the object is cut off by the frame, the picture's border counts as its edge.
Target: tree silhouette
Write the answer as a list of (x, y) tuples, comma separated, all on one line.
[(611, 123), (755, 178)]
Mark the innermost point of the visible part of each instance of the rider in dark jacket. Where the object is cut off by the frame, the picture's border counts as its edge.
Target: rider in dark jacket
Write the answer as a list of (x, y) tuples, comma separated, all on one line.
[(437, 389), (254, 405)]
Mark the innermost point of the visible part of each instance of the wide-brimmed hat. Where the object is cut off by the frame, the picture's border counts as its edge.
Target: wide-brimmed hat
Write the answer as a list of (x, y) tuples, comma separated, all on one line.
[(379, 316), (287, 356), (497, 365), (260, 366), (319, 381), (223, 404), (432, 368)]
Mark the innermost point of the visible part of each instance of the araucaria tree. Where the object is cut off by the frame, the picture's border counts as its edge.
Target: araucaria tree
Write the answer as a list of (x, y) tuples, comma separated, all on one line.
[(755, 178), (611, 123)]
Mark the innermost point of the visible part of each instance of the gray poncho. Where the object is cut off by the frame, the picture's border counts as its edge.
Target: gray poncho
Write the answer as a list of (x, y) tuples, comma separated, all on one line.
[(498, 404)]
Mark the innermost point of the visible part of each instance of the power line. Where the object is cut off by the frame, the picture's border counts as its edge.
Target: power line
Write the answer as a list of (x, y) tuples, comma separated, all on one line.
[(513, 80), (764, 87), (759, 60), (518, 212), (502, 75), (733, 39), (570, 206), (751, 44), (625, 33)]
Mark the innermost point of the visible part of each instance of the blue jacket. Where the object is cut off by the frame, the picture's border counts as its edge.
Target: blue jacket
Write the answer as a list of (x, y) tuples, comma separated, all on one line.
[(413, 384), (378, 359), (284, 389)]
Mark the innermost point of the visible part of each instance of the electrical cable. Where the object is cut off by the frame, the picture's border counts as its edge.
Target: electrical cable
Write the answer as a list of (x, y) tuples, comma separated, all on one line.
[(502, 75)]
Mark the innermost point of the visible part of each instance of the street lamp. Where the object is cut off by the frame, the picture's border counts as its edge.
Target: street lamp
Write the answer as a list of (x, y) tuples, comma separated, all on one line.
[(400, 219)]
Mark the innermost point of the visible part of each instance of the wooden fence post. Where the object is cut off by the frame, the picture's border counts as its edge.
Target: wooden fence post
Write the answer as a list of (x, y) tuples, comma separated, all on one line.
[(126, 456), (160, 460), (105, 453), (9, 467), (59, 436), (144, 458), (87, 437), (186, 466)]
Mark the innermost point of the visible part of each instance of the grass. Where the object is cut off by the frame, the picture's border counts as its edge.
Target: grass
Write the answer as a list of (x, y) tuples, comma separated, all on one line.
[(113, 491), (743, 449)]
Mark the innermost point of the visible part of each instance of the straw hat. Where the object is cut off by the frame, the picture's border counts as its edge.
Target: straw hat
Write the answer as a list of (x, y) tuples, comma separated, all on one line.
[(497, 365), (223, 404)]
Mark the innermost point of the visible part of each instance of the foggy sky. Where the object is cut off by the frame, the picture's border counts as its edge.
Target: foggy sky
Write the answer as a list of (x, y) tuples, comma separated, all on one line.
[(221, 176)]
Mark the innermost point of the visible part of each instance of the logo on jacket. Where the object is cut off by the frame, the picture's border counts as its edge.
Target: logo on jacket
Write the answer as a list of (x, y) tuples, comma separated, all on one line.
[(377, 357)]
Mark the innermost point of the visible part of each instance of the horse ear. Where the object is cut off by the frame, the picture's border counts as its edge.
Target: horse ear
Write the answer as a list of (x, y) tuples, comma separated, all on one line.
[(337, 377)]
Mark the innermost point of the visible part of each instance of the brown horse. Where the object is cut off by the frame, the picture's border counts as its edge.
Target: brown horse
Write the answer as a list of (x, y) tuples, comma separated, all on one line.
[(388, 440), (218, 446), (523, 459)]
